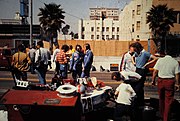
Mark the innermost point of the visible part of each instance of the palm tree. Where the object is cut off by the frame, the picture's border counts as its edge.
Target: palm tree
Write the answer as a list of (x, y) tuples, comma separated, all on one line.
[(160, 19), (51, 20)]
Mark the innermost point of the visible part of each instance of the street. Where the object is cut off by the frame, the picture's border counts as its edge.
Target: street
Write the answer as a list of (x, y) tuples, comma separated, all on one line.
[(6, 82), (151, 95)]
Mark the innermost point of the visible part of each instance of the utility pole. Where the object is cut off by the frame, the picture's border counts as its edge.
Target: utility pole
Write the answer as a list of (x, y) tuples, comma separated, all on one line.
[(31, 23)]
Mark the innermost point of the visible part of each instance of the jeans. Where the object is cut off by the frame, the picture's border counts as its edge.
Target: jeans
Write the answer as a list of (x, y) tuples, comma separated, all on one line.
[(63, 70), (42, 74), (86, 73)]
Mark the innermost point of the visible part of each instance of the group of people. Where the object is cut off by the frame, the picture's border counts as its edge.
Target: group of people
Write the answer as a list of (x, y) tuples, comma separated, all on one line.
[(133, 71), (131, 92), (37, 58), (78, 61)]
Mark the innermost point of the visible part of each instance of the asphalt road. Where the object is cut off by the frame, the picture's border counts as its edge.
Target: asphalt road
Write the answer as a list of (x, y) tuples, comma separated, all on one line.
[(6, 82)]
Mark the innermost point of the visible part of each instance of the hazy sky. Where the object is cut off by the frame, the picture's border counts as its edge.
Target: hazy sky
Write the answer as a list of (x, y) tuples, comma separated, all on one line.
[(75, 9)]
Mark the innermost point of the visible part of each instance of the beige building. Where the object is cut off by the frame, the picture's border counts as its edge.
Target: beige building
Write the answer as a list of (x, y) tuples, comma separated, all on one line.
[(133, 19), (97, 13), (103, 25), (131, 23)]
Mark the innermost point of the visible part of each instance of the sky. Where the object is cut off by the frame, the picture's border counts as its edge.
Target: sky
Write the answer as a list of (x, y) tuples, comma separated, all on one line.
[(75, 9)]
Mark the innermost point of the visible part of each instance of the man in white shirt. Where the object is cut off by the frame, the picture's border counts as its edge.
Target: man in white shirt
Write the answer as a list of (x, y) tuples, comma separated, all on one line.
[(125, 95), (167, 69), (57, 50), (126, 61), (32, 57), (42, 58)]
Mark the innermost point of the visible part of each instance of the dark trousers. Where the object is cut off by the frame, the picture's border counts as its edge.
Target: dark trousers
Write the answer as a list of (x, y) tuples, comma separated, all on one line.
[(86, 72), (122, 110), (32, 68), (57, 71), (20, 75), (166, 96), (139, 86), (63, 70), (76, 73)]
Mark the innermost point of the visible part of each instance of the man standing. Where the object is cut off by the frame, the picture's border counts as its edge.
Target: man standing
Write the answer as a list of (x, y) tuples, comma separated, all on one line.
[(142, 59), (167, 69), (125, 94), (32, 57), (20, 62), (126, 61), (76, 62), (42, 57), (56, 51), (63, 60), (88, 60)]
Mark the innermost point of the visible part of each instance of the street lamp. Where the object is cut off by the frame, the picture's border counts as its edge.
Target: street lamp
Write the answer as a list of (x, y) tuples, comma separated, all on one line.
[(31, 23)]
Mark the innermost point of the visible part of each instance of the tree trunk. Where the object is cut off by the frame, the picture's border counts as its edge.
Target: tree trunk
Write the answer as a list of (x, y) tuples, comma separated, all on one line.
[(158, 46), (51, 46)]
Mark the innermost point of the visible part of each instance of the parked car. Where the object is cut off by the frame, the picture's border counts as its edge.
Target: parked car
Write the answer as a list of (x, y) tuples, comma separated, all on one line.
[(6, 57)]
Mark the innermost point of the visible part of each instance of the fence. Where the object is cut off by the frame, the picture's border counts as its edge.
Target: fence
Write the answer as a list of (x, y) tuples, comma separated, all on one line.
[(106, 48)]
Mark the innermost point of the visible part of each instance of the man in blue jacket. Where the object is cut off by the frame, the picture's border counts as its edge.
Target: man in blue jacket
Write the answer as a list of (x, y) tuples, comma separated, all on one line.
[(76, 62), (88, 60)]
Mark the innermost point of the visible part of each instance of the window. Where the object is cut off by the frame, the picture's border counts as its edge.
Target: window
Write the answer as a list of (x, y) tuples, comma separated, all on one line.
[(132, 27), (117, 37), (113, 29), (138, 9), (97, 36), (133, 11), (92, 29), (83, 36), (113, 37), (138, 26), (117, 29), (107, 37), (102, 37), (137, 38), (97, 29), (92, 36), (102, 29), (107, 29)]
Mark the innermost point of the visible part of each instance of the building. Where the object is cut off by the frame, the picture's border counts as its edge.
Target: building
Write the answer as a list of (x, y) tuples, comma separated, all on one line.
[(103, 25), (97, 13), (10, 21), (15, 34), (15, 21), (132, 19), (175, 5)]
